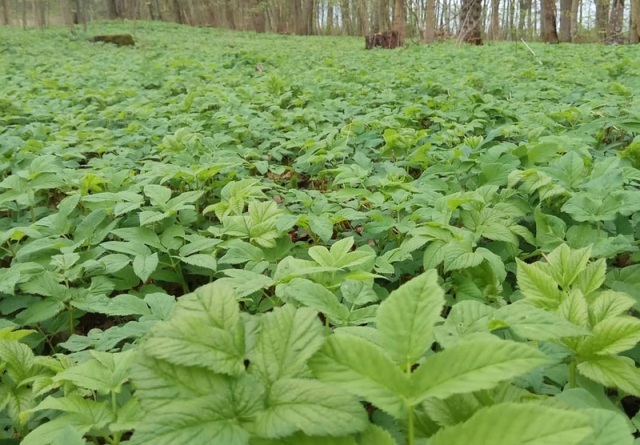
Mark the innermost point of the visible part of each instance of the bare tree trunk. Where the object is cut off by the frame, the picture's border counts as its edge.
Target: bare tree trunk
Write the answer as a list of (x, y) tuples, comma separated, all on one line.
[(330, 19), (430, 22), (614, 33), (548, 21), (112, 10), (470, 25), (346, 16), (634, 31), (400, 19), (494, 27), (565, 20), (364, 17), (602, 18), (258, 15), (6, 18), (153, 9), (575, 5), (525, 12), (177, 12)]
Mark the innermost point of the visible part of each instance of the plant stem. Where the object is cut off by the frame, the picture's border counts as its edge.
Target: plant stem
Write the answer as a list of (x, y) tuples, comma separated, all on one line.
[(573, 373), (411, 439)]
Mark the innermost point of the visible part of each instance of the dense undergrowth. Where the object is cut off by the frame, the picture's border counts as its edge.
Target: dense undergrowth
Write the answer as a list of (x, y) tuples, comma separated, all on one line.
[(225, 238)]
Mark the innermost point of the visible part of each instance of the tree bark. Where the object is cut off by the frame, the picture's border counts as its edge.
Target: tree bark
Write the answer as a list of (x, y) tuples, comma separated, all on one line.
[(346, 16), (548, 21), (400, 19), (634, 31), (177, 12), (6, 18), (602, 19), (364, 17), (258, 16), (565, 20), (430, 22), (575, 6), (494, 26), (614, 33), (330, 19), (470, 24), (525, 13), (112, 10)]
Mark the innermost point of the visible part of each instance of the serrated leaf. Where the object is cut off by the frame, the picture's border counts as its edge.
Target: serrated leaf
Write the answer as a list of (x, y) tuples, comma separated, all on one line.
[(318, 298), (363, 369), (406, 318), (105, 373), (612, 371), (591, 277), (575, 309), (312, 407), (532, 323), (201, 260), (375, 435), (566, 264), (522, 424), (287, 338), (608, 304), (537, 285), (145, 265), (472, 366), (460, 255), (205, 330), (611, 336)]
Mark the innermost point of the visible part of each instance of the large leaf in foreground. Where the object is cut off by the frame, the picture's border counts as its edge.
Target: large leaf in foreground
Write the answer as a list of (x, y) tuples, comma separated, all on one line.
[(517, 424), (315, 408), (362, 368), (405, 319), (472, 366)]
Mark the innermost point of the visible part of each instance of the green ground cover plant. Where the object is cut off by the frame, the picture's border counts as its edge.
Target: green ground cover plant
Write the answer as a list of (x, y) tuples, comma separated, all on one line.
[(224, 238)]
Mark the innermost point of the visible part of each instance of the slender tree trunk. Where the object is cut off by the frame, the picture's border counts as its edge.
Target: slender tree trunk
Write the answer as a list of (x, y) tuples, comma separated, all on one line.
[(430, 22), (602, 19), (364, 17), (112, 10), (525, 11), (330, 19), (470, 24), (6, 18), (400, 19), (258, 15), (575, 5), (548, 21), (565, 20), (634, 31), (494, 26), (345, 11), (614, 33)]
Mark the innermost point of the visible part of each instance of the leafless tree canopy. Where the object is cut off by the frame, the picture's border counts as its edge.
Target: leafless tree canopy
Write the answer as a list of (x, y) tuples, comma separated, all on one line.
[(606, 21)]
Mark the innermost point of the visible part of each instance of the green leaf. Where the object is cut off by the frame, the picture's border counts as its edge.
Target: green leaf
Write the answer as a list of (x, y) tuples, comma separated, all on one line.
[(566, 264), (145, 265), (201, 260), (609, 304), (105, 373), (321, 226), (363, 369), (522, 424), (312, 407), (318, 298), (537, 285), (591, 277), (434, 254), (612, 336), (374, 435), (406, 318), (205, 331), (472, 366), (575, 309), (303, 439), (81, 414), (460, 255), (287, 338), (610, 427), (240, 252), (191, 405), (612, 371), (158, 194), (532, 323)]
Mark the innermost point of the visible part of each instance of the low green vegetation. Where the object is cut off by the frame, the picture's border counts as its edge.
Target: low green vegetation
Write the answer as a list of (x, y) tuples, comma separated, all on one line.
[(224, 238)]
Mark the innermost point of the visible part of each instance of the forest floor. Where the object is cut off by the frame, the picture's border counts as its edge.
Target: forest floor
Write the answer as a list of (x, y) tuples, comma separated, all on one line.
[(305, 175)]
